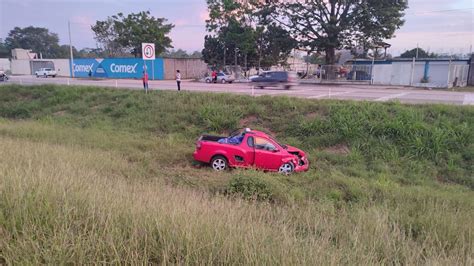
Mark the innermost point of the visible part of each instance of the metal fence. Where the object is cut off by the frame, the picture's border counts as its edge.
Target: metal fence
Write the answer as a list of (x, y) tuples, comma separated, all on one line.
[(458, 75), (344, 73)]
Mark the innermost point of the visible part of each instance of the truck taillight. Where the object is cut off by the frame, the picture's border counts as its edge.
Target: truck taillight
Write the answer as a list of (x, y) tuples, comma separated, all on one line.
[(198, 145)]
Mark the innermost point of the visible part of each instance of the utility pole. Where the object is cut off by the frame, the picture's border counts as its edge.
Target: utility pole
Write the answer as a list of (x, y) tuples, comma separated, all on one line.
[(223, 67), (235, 57), (416, 51), (70, 48)]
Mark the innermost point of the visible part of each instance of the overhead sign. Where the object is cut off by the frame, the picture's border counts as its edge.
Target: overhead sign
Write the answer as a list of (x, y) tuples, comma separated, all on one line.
[(148, 51)]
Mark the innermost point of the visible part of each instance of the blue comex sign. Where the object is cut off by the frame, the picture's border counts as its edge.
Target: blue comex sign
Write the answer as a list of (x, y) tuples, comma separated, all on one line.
[(117, 68)]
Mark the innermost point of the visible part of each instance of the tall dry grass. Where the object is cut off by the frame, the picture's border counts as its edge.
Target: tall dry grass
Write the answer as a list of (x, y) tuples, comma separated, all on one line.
[(70, 204)]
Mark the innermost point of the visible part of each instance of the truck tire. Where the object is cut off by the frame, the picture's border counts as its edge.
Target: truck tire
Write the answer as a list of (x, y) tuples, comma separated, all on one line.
[(219, 163)]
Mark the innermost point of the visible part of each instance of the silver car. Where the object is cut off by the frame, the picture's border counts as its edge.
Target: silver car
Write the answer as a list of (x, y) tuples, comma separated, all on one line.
[(221, 78)]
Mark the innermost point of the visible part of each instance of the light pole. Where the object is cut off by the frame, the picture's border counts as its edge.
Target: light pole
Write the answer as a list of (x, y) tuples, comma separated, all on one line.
[(235, 56), (70, 49)]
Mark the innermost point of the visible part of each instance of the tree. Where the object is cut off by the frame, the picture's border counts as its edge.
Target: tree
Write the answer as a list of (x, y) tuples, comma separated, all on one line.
[(107, 36), (326, 26), (127, 33), (40, 40), (91, 53), (213, 52), (181, 54), (241, 33), (315, 59), (275, 46), (4, 51), (63, 51), (421, 54), (196, 54)]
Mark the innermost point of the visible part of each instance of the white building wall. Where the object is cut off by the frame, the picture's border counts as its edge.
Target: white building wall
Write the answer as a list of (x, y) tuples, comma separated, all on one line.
[(401, 73), (62, 67), (382, 74), (20, 67), (23, 67), (5, 64), (419, 73)]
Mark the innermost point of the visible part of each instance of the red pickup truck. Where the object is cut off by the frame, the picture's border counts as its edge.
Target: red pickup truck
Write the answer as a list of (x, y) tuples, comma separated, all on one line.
[(249, 149)]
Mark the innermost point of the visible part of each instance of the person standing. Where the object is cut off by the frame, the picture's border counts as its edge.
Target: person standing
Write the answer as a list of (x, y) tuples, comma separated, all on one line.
[(214, 76), (178, 79), (145, 81)]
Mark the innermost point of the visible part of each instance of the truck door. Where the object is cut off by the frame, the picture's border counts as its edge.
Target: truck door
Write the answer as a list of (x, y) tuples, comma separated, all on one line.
[(267, 155), (243, 154), (250, 154)]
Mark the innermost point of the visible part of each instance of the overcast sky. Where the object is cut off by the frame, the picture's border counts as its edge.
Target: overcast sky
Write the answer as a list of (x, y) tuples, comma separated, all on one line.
[(437, 25)]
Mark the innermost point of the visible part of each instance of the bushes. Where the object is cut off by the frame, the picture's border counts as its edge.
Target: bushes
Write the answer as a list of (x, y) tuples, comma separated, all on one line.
[(400, 137), (256, 187), (388, 184), (219, 117)]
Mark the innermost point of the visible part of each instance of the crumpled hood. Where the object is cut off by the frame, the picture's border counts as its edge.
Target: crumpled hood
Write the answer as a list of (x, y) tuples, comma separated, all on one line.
[(292, 149)]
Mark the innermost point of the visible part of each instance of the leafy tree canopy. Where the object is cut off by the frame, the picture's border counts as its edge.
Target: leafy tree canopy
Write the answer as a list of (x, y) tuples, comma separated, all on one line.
[(334, 24), (421, 54), (39, 40), (239, 32), (125, 33)]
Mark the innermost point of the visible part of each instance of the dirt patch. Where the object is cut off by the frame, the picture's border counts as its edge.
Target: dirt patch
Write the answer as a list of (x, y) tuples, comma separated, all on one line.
[(247, 121), (340, 149), (60, 113), (312, 115)]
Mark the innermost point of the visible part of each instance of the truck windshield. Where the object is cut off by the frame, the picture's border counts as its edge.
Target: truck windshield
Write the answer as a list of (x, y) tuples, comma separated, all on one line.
[(281, 145)]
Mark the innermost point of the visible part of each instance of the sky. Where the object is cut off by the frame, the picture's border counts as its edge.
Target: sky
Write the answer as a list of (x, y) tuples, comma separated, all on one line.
[(443, 26)]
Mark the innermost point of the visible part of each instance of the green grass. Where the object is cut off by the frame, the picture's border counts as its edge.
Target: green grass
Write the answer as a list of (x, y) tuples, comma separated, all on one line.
[(463, 89), (100, 175)]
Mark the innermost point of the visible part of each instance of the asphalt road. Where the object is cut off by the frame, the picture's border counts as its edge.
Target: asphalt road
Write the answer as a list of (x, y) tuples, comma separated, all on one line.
[(309, 91)]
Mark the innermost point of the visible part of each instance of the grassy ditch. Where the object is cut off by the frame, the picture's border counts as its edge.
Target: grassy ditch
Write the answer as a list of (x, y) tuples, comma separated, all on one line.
[(91, 174)]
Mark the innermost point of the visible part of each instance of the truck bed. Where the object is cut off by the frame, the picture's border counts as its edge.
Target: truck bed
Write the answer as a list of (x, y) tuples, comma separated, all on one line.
[(210, 138)]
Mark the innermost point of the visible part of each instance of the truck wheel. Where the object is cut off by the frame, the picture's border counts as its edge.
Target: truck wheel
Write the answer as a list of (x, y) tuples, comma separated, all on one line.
[(286, 168), (287, 87), (45, 75), (37, 76), (219, 163), (208, 81)]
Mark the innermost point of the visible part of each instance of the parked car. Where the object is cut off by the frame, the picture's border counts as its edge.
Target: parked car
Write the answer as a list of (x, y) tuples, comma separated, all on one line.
[(221, 78), (249, 149), (3, 76), (275, 79), (46, 72)]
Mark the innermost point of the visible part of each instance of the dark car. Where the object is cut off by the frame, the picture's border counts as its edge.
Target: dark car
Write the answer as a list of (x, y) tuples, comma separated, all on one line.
[(281, 79)]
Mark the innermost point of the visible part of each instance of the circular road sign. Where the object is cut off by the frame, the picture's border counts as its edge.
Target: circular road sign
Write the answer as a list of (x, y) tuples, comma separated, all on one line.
[(149, 51)]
